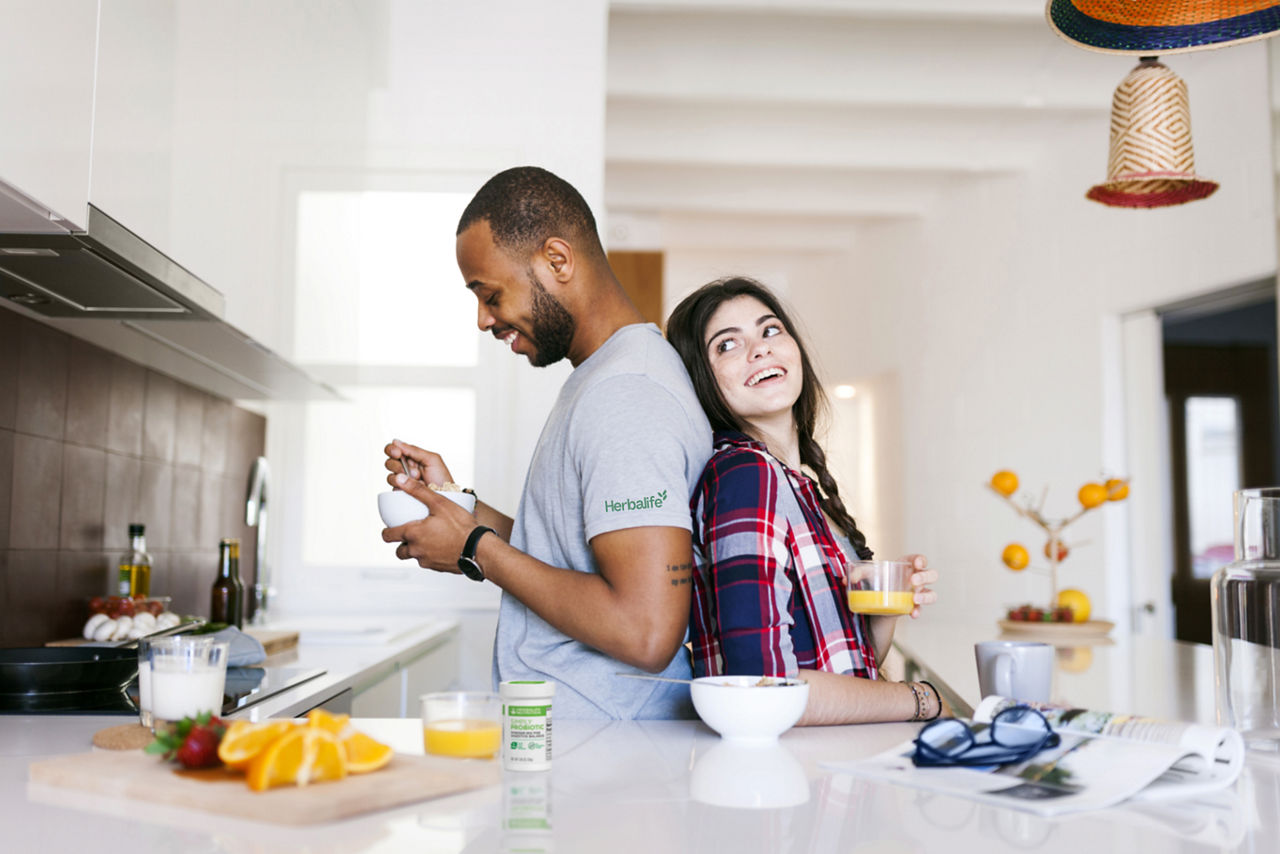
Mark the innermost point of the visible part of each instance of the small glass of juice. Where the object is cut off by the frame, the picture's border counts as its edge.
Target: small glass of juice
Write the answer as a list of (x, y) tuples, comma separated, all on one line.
[(878, 587), (462, 724)]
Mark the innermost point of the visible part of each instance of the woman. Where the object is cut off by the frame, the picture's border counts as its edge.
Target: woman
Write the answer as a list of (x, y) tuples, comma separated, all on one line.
[(770, 543)]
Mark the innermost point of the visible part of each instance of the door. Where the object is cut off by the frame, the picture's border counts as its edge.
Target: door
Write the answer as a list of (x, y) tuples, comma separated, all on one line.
[(1221, 425)]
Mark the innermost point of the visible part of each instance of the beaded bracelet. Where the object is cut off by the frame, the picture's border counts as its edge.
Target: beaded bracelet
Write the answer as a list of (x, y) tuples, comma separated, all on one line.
[(916, 695), (937, 696)]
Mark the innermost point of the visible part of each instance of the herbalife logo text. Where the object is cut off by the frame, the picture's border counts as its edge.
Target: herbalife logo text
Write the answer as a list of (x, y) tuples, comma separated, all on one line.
[(649, 502)]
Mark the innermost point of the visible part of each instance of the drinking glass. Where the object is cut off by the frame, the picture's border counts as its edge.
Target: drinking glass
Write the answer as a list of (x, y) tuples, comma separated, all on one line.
[(187, 677), (464, 724), (880, 586), (1246, 623)]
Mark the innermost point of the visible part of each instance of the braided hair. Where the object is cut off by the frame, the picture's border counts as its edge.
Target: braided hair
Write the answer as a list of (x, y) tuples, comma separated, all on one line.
[(685, 330)]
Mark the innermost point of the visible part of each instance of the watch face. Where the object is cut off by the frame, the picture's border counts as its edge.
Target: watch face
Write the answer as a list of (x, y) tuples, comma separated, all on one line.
[(470, 569)]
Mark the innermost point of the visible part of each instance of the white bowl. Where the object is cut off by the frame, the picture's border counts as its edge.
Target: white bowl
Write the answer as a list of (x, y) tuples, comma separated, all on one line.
[(742, 709), (400, 508)]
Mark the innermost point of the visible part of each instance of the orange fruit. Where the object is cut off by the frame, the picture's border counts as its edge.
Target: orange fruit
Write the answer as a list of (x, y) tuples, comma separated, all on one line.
[(1117, 489), (245, 739), (1074, 659), (331, 723), (1004, 482), (1092, 495), (303, 755), (1076, 601), (1063, 551), (1016, 556), (364, 753)]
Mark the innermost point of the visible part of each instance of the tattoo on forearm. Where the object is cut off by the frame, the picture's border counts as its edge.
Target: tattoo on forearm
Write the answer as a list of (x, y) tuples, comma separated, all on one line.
[(680, 573)]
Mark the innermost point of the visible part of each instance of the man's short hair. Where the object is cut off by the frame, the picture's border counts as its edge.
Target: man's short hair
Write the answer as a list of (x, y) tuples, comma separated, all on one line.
[(526, 205)]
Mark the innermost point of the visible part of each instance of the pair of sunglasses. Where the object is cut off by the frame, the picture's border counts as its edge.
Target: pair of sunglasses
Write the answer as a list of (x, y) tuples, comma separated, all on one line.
[(1014, 735)]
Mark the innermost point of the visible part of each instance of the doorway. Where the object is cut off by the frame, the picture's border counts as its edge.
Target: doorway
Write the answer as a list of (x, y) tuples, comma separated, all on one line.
[(1220, 380)]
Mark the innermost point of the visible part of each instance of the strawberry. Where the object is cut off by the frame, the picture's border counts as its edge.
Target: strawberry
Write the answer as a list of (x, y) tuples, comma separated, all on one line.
[(200, 749), (194, 743)]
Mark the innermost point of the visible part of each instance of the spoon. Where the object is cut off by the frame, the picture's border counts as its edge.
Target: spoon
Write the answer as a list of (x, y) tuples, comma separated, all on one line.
[(655, 678)]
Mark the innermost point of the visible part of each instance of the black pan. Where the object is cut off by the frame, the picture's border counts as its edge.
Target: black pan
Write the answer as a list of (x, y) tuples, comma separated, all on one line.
[(66, 669)]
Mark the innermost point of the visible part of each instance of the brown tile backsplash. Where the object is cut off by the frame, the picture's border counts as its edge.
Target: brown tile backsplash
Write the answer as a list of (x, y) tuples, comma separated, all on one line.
[(124, 414), (8, 369), (189, 426), (42, 381), (155, 502), (34, 617), (84, 490), (89, 443), (88, 394), (160, 417), (6, 487), (123, 475), (36, 497), (217, 424)]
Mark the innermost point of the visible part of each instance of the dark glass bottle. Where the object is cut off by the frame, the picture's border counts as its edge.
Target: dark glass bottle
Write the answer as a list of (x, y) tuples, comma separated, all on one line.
[(227, 602)]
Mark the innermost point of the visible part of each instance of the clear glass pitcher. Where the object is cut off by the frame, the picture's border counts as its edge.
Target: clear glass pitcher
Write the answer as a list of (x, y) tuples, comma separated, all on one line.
[(1246, 623)]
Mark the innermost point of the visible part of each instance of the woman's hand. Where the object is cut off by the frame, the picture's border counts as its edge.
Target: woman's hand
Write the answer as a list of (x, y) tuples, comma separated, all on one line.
[(921, 578)]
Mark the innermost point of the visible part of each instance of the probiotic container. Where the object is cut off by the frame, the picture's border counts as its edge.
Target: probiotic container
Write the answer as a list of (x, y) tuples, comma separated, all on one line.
[(526, 724)]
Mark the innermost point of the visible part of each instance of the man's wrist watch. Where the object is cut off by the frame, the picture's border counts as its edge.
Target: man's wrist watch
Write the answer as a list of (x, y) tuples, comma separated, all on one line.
[(467, 563)]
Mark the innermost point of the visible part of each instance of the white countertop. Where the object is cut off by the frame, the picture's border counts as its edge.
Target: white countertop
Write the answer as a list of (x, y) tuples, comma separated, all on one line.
[(662, 786), (674, 786)]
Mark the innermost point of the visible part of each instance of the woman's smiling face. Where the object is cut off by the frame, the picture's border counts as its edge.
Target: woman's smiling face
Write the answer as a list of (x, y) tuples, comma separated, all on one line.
[(755, 360)]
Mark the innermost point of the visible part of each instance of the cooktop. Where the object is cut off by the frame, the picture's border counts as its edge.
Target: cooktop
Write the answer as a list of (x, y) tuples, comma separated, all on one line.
[(244, 687)]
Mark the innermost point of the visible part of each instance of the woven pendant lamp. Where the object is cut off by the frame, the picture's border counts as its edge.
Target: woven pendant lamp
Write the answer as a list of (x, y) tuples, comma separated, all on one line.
[(1148, 27), (1151, 162)]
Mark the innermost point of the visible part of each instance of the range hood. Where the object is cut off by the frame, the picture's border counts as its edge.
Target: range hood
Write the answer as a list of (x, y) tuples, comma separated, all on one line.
[(104, 271), (107, 285)]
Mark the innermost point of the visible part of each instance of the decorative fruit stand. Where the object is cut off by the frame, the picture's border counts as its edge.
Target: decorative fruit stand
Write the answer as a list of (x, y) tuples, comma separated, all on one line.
[(1069, 608)]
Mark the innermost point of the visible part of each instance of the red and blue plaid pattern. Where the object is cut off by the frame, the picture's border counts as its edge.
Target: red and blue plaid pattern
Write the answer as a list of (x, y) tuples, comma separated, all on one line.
[(769, 593)]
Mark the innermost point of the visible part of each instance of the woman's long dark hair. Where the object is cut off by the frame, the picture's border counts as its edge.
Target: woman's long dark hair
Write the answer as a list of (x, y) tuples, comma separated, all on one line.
[(685, 330)]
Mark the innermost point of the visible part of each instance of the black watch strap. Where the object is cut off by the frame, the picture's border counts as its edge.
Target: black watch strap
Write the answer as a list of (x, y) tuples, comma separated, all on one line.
[(467, 563)]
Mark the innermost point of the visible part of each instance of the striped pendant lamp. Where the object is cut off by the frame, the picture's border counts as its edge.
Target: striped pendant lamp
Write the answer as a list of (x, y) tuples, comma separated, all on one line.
[(1148, 27), (1151, 163)]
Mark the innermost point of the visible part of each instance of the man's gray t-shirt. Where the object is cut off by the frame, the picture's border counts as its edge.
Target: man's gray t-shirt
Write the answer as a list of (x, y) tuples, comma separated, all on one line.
[(623, 448)]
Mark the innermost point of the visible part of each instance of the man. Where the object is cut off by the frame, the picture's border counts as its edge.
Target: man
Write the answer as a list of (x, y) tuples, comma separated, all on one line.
[(596, 567)]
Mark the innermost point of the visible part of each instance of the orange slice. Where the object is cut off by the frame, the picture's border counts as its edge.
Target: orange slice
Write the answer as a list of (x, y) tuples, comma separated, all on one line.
[(244, 740), (364, 753), (301, 756), (320, 719)]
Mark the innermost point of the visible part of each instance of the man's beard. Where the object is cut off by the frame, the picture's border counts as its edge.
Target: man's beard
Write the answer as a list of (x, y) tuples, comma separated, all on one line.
[(552, 327)]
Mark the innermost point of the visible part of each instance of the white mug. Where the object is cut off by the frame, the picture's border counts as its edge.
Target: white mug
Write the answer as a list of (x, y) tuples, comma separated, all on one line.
[(1019, 670)]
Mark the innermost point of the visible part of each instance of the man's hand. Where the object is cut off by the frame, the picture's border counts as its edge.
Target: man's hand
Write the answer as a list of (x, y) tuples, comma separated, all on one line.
[(424, 466), (436, 541)]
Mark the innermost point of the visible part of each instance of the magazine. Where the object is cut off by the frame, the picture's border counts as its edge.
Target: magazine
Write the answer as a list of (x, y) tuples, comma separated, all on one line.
[(1103, 759)]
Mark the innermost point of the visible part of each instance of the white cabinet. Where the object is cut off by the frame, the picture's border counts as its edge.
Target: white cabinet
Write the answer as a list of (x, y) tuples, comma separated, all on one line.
[(133, 146), (394, 692), (46, 99)]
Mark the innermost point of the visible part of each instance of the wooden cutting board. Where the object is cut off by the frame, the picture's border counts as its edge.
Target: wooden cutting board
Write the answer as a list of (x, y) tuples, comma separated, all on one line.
[(273, 640), (135, 775)]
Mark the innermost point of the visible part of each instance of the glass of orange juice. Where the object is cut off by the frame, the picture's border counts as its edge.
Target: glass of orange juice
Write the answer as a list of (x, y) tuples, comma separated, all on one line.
[(463, 724), (880, 587)]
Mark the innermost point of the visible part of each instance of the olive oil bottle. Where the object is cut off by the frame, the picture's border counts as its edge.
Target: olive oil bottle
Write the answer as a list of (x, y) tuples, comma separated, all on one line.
[(133, 575), (227, 594)]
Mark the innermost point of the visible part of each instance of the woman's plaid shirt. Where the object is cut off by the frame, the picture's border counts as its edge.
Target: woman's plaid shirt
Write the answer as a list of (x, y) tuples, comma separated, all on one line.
[(769, 593)]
